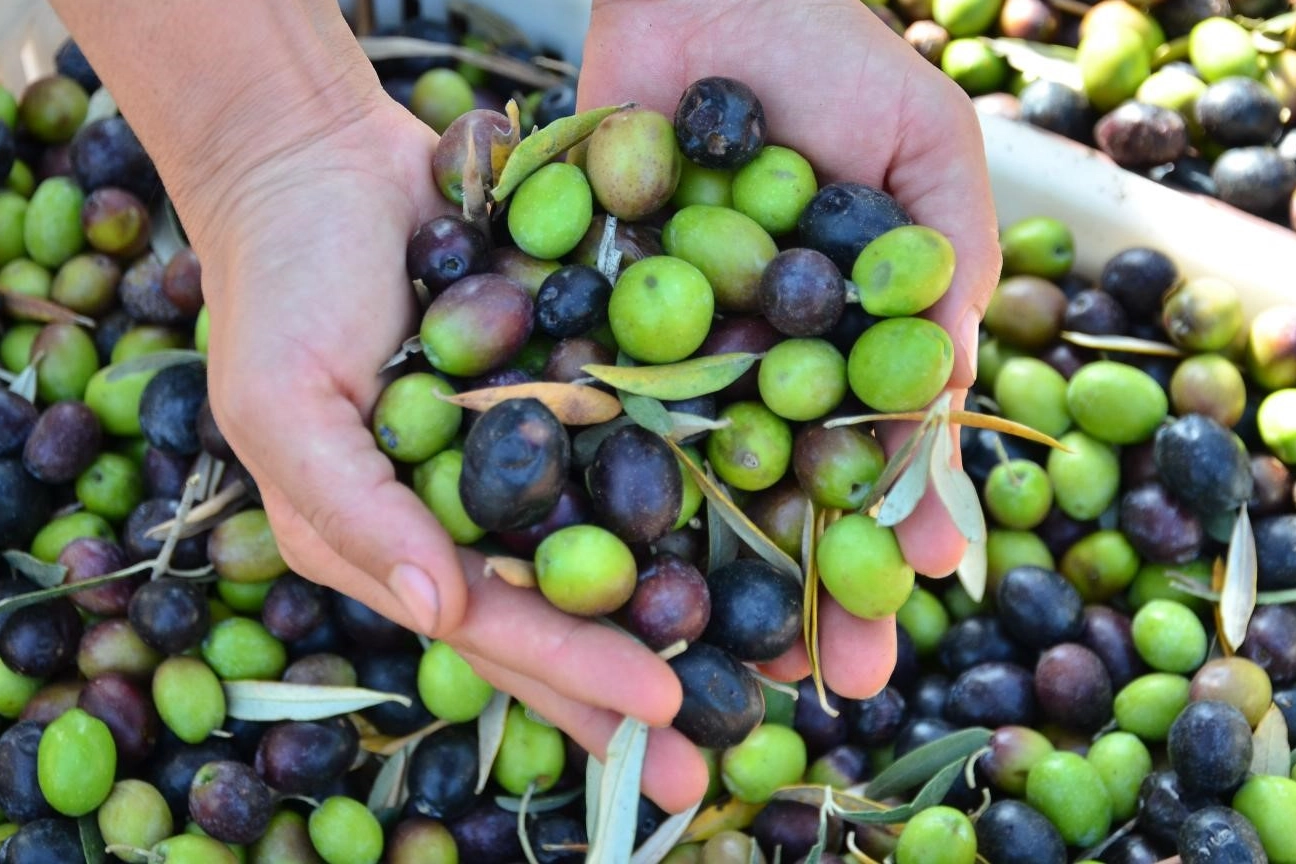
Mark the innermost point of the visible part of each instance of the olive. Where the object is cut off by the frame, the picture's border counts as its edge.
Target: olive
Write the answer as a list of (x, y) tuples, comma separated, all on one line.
[(755, 610), (722, 699)]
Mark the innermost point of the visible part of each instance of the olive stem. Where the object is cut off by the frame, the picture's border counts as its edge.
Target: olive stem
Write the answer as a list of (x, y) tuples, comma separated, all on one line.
[(197, 517), (163, 560)]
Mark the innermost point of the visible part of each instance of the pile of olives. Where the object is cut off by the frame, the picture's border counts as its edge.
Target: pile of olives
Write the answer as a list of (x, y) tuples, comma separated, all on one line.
[(1119, 723), (1195, 93)]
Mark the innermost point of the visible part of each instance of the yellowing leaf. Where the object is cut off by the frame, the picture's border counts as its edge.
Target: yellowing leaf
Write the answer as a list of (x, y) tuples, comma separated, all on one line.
[(674, 381), (1270, 753), (39, 309), (541, 146), (1124, 344), (729, 814), (1007, 427), (572, 404), (736, 519)]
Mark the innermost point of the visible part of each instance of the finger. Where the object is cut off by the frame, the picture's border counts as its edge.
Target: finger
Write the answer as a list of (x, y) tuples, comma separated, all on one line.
[(857, 654), (792, 665), (516, 628), (335, 478), (674, 773)]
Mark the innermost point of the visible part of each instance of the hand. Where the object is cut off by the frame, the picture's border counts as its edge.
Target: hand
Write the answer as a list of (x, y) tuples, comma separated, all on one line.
[(303, 254), (841, 88)]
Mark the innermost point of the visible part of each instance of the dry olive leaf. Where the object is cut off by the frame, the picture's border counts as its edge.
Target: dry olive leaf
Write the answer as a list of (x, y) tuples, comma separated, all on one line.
[(515, 571), (476, 207), (541, 146), (608, 259), (812, 529), (686, 379), (502, 145), (1124, 344), (395, 47), (663, 840), (373, 741), (618, 795), (43, 573), (1270, 752), (409, 348), (728, 814), (736, 519), (572, 404), (1238, 593), (269, 701), (39, 309), (490, 734)]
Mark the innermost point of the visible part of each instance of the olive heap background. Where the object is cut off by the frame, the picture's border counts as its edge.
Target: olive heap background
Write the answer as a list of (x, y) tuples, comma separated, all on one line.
[(1100, 683)]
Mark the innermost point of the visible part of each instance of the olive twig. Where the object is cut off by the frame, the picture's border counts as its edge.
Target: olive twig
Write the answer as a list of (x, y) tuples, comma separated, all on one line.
[(163, 560)]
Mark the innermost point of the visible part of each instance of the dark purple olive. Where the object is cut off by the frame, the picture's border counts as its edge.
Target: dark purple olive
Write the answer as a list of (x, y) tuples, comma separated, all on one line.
[(126, 708), (755, 610), (63, 443), (230, 802), (719, 123), (671, 603), (444, 250), (723, 701), (516, 458), (303, 758), (1072, 687)]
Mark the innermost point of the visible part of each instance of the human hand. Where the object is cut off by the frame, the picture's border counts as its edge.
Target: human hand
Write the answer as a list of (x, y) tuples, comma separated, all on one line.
[(857, 101), (304, 274)]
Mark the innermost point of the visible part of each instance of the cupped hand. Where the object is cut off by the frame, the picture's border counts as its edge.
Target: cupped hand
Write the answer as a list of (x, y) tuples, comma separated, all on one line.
[(841, 88), (304, 275)]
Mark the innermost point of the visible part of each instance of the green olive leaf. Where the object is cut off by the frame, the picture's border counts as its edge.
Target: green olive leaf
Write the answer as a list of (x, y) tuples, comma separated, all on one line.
[(1051, 62), (92, 841), (903, 496), (722, 542), (618, 795), (389, 791), (686, 379), (523, 838), (955, 489), (920, 765), (736, 519), (540, 803), (270, 701), (931, 794), (540, 147), (647, 412), (490, 735), (842, 801), (586, 442), (43, 573), (593, 779), (31, 598), (152, 362), (1270, 752), (687, 425), (1238, 595), (895, 466), (663, 840)]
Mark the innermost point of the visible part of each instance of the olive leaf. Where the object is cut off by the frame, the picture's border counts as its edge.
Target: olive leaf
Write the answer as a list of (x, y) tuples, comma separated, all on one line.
[(409, 348), (373, 741), (1050, 62), (541, 146), (903, 496), (1238, 594), (663, 840), (42, 573), (647, 412), (270, 701), (517, 572), (572, 404), (973, 569), (42, 310), (815, 854), (1279, 25), (92, 841), (729, 814), (812, 529), (894, 467), (685, 426), (593, 777), (1006, 427), (152, 362), (586, 442), (524, 840), (395, 47), (812, 796), (722, 542), (166, 235), (100, 106), (502, 145), (736, 519), (490, 734), (1123, 344), (476, 207), (931, 794), (608, 259), (686, 379), (923, 763), (31, 598), (1270, 752), (389, 790), (25, 382), (618, 795), (955, 489), (541, 803)]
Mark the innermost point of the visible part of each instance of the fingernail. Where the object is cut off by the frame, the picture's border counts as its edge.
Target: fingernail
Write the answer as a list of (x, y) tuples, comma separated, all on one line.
[(969, 330), (419, 594)]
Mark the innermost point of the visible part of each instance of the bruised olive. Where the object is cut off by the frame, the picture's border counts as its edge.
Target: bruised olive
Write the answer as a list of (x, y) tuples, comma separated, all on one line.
[(719, 123)]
